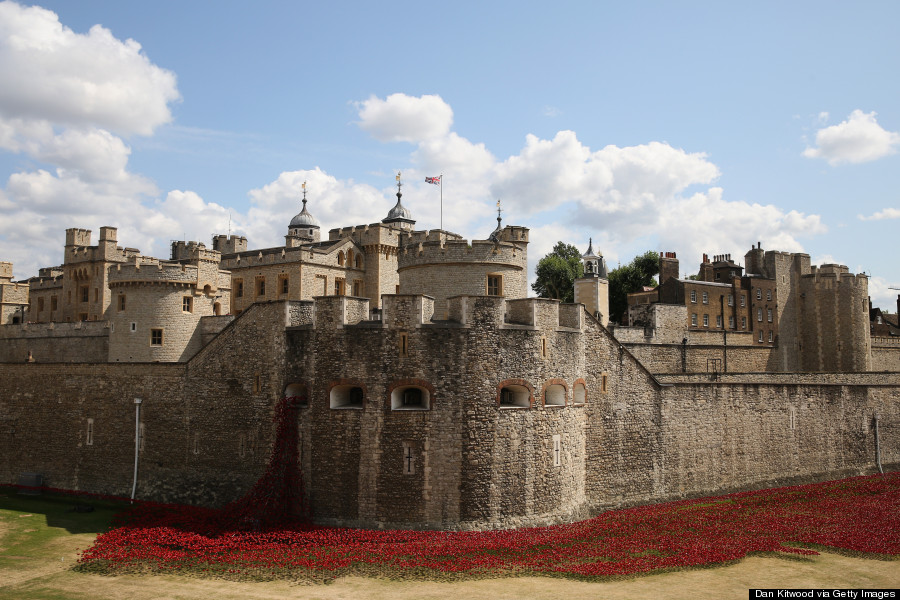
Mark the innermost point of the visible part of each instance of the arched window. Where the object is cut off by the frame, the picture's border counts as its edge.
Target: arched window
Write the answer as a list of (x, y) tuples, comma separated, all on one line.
[(555, 394), (297, 394), (410, 398), (515, 393), (579, 393), (359, 261), (347, 395), (341, 258)]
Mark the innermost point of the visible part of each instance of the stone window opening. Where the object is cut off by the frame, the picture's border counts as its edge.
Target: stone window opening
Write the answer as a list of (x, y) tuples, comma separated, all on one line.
[(242, 445), (769, 314), (694, 319), (339, 286), (706, 320), (346, 396), (759, 315), (156, 337), (555, 395), (557, 451), (84, 293), (53, 303), (515, 393), (260, 286), (409, 458), (543, 347), (760, 336), (196, 445), (238, 288), (410, 397), (494, 284), (90, 432), (705, 297), (743, 300), (257, 383), (340, 258), (121, 302), (604, 381), (694, 296), (404, 343), (793, 418), (297, 394), (187, 304), (768, 294), (358, 261), (743, 322), (759, 293), (579, 393), (358, 288), (772, 337), (284, 284), (719, 321), (40, 305), (730, 299)]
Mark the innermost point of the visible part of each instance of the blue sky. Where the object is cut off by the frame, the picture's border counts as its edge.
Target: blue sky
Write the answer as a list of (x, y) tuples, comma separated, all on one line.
[(688, 127)]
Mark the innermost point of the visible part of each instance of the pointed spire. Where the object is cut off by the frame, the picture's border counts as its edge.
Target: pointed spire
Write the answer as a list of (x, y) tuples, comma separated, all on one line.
[(399, 214)]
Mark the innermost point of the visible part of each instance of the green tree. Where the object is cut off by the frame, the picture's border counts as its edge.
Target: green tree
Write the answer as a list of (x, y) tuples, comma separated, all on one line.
[(557, 272), (630, 278)]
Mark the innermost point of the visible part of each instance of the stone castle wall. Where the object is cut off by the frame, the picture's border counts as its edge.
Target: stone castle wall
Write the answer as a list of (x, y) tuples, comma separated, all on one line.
[(82, 341), (627, 438), (885, 354)]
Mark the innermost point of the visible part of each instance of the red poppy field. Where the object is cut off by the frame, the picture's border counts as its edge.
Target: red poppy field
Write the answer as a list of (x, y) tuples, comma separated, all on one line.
[(861, 515), (268, 535)]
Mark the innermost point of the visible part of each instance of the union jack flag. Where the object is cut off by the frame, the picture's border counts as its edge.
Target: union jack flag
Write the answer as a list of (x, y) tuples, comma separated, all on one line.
[(434, 180)]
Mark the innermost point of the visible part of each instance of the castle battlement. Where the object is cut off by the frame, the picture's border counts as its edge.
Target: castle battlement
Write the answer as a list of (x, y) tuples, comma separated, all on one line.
[(152, 271), (6, 270), (461, 251), (430, 235), (196, 251)]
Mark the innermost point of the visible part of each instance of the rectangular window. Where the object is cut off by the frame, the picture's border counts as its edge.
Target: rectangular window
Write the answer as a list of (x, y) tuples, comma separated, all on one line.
[(260, 286), (339, 286), (694, 296), (121, 302), (706, 320), (557, 450), (705, 297), (743, 300), (358, 288), (769, 314), (285, 284), (603, 384), (40, 304), (84, 293), (156, 337), (90, 432), (730, 299), (494, 285), (719, 321), (53, 303), (730, 322), (187, 304), (759, 315), (768, 294), (743, 322), (694, 320), (771, 337), (238, 288), (758, 293), (760, 336), (404, 343)]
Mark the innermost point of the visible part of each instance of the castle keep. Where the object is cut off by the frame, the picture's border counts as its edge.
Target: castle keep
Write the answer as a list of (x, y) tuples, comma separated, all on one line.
[(428, 389)]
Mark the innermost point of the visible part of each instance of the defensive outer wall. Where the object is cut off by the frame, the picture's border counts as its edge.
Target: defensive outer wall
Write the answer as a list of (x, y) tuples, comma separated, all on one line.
[(587, 426)]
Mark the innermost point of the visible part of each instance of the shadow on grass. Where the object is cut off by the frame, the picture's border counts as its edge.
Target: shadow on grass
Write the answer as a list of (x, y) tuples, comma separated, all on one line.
[(75, 515)]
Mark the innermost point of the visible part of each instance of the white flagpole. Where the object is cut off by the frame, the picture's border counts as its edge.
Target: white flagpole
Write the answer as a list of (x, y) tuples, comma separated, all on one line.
[(442, 200)]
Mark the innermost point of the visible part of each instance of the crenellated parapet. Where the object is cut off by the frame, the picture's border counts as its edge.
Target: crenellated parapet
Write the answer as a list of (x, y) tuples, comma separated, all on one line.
[(152, 271)]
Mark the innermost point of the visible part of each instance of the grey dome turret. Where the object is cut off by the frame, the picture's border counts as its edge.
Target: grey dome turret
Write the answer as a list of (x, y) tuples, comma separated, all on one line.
[(399, 214)]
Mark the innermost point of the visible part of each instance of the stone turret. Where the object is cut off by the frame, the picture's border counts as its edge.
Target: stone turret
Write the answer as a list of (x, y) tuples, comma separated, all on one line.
[(592, 289)]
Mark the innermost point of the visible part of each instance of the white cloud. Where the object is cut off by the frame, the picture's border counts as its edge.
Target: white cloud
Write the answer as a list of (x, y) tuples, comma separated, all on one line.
[(51, 73), (882, 294), (402, 118), (887, 213), (859, 139)]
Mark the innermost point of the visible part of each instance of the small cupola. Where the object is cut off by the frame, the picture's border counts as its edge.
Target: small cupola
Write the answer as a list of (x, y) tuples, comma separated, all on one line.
[(594, 265), (304, 226), (399, 215)]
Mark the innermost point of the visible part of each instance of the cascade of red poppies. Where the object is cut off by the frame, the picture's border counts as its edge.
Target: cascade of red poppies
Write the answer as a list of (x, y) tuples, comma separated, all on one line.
[(278, 498)]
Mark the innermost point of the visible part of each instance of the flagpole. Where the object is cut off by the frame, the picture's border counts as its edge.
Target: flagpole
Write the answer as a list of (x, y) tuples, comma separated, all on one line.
[(442, 201)]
